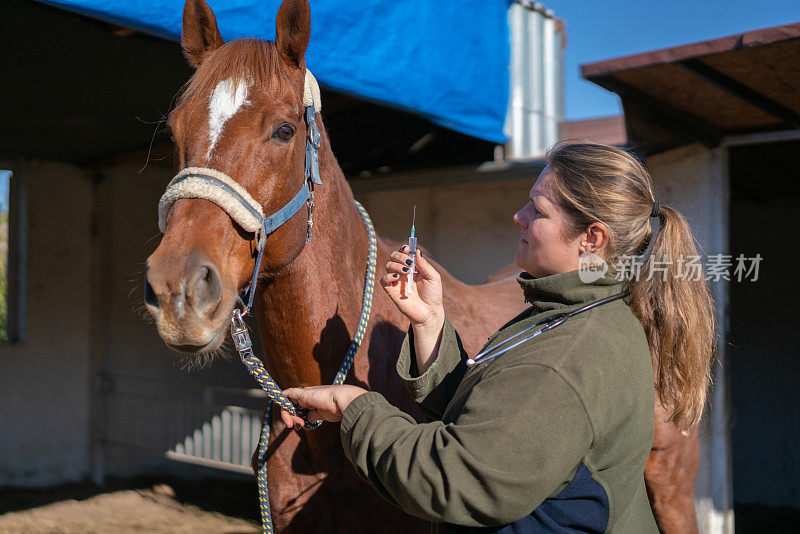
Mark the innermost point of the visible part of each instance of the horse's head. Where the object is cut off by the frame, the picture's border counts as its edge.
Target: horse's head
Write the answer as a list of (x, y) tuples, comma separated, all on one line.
[(241, 114)]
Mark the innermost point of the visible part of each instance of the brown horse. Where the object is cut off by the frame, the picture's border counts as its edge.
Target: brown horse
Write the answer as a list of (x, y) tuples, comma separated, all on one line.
[(242, 114)]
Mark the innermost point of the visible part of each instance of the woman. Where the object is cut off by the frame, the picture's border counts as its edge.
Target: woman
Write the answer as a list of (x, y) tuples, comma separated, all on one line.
[(550, 434)]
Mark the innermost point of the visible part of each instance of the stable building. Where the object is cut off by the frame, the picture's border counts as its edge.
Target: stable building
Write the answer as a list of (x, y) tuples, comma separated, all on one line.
[(87, 388)]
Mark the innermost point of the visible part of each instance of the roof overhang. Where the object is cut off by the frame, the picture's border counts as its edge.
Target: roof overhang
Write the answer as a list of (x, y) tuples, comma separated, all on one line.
[(702, 92)]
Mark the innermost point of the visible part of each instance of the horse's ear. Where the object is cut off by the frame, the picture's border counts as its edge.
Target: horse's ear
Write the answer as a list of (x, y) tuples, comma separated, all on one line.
[(200, 34), (293, 30)]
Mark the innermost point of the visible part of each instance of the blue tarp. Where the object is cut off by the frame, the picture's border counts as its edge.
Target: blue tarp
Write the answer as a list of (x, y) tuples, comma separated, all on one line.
[(444, 60)]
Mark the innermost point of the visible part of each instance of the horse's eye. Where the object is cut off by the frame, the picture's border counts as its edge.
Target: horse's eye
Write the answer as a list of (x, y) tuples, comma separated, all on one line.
[(284, 132)]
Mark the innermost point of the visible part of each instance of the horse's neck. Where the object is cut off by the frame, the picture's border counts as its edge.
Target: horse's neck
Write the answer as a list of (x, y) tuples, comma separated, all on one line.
[(309, 311)]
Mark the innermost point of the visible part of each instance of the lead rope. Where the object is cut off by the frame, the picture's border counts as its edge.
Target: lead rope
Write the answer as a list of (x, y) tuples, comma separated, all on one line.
[(244, 346)]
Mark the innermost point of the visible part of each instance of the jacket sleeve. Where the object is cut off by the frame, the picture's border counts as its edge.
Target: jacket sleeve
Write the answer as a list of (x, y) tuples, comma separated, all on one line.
[(433, 389), (521, 434)]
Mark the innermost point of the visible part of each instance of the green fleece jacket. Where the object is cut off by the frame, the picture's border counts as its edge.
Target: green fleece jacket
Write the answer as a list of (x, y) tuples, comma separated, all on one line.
[(554, 431)]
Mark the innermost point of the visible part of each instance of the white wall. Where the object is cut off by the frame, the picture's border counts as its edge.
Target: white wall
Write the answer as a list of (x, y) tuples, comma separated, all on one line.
[(694, 180), (45, 379)]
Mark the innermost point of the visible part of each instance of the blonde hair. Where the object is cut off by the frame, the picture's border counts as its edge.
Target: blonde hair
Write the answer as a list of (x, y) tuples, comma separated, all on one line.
[(599, 183)]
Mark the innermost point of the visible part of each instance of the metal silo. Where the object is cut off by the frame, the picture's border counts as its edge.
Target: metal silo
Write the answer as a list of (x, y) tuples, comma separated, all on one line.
[(536, 80)]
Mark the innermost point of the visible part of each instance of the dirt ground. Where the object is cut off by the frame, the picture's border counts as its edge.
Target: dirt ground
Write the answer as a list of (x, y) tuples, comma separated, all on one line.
[(172, 505), (128, 507)]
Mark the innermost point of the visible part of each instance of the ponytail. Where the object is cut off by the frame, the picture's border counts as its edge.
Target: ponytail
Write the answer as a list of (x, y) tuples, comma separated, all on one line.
[(671, 299), (603, 184)]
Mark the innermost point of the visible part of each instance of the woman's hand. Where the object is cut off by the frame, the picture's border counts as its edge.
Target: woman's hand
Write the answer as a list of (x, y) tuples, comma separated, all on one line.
[(322, 402), (422, 302)]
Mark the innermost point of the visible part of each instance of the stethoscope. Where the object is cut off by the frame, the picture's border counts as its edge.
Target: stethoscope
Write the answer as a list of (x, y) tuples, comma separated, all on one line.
[(546, 324)]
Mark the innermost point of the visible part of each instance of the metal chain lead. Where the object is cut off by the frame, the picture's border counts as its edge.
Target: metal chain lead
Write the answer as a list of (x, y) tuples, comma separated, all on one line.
[(310, 211)]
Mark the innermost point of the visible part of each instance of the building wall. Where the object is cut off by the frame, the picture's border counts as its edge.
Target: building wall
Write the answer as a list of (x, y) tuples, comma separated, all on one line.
[(45, 378), (694, 180)]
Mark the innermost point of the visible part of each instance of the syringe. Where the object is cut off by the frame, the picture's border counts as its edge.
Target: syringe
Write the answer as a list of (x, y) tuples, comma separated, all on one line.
[(412, 250)]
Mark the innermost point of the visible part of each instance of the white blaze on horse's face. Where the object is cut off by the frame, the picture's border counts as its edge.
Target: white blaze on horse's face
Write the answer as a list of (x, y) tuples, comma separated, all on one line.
[(225, 101)]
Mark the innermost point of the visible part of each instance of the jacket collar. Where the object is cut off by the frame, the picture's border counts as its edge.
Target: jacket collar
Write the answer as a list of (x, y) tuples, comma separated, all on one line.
[(563, 290)]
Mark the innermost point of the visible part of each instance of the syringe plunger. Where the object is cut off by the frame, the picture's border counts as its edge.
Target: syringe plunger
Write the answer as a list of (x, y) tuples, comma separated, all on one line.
[(412, 252)]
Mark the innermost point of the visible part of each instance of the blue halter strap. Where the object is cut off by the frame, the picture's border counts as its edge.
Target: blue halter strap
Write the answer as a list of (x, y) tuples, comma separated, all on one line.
[(305, 195)]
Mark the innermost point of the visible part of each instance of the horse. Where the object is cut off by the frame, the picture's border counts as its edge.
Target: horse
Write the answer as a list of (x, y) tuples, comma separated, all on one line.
[(242, 114)]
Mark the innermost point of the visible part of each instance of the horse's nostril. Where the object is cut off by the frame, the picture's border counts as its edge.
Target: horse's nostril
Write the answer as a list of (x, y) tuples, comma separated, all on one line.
[(149, 295), (204, 279), (207, 290)]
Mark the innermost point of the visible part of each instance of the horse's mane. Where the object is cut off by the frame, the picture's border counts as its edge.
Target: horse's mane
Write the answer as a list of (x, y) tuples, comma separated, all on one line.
[(254, 60)]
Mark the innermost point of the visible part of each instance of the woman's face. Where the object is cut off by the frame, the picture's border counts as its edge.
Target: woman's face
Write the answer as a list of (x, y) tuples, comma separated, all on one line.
[(543, 249)]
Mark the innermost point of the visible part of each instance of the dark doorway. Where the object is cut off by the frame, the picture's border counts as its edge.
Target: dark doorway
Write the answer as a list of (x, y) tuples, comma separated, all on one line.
[(763, 356)]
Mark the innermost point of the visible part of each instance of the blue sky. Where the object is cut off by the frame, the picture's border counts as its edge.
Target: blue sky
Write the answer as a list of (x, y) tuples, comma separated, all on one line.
[(599, 30)]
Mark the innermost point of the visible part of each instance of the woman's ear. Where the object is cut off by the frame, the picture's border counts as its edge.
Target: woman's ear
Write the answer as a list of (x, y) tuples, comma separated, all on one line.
[(595, 239), (293, 30), (200, 34)]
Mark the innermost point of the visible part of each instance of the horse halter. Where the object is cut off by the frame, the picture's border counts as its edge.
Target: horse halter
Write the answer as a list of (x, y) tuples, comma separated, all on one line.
[(217, 187)]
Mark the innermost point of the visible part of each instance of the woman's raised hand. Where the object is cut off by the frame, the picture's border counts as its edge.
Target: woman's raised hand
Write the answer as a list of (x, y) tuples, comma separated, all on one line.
[(422, 302)]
